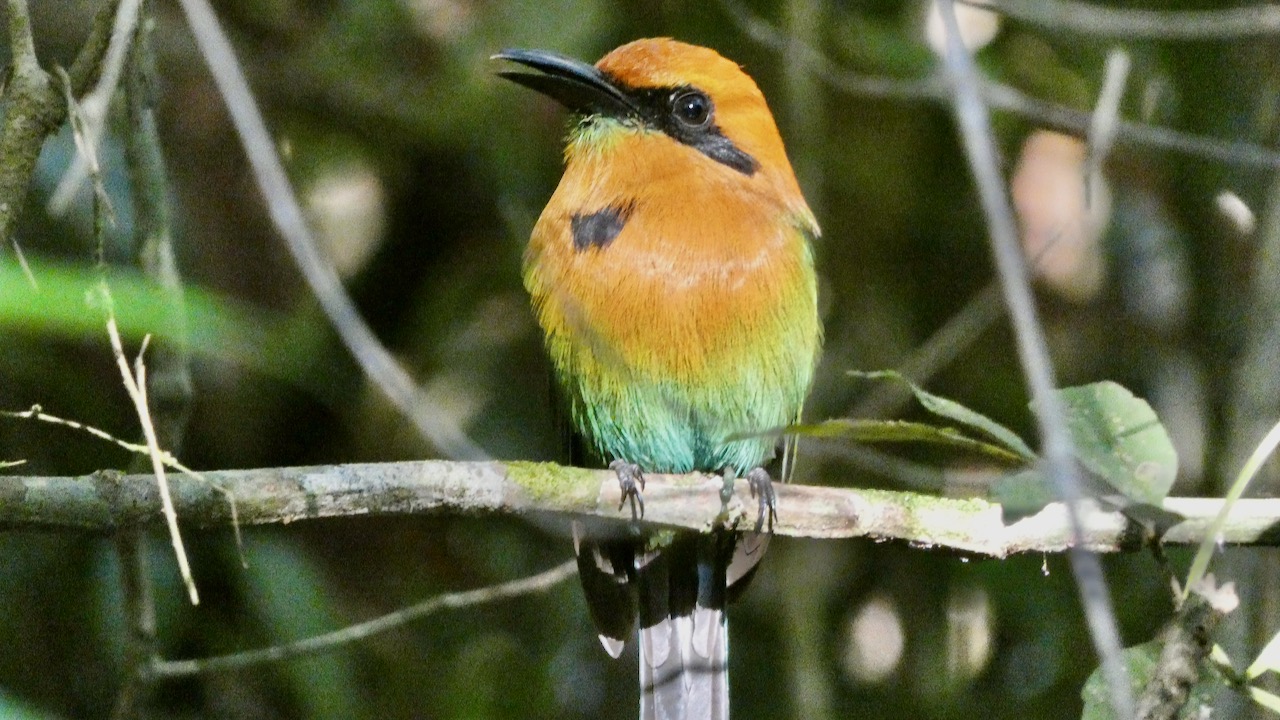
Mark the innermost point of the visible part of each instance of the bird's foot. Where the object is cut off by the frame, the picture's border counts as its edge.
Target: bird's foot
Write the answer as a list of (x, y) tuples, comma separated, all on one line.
[(726, 490), (630, 482), (762, 489)]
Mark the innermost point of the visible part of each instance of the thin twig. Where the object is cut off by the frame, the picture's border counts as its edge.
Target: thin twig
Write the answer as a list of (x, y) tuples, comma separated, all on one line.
[(37, 413), (804, 55), (435, 423), (26, 267), (1128, 133), (1132, 24), (94, 106), (979, 142), (1103, 124), (542, 582), (137, 389), (998, 96)]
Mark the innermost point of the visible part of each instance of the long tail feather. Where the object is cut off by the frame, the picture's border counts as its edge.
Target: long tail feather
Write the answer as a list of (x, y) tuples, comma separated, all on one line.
[(692, 681), (678, 590)]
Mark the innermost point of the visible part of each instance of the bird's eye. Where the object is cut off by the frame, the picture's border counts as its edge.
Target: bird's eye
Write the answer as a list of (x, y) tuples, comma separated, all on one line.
[(692, 108)]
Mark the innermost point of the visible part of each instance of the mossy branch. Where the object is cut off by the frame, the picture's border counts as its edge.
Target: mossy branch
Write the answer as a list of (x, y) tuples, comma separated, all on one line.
[(104, 502)]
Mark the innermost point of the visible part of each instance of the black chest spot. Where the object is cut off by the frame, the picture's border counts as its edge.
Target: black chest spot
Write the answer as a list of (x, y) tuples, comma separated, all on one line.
[(599, 228)]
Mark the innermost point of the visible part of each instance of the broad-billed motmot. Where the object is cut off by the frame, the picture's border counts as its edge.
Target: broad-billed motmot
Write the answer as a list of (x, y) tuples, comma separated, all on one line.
[(672, 275)]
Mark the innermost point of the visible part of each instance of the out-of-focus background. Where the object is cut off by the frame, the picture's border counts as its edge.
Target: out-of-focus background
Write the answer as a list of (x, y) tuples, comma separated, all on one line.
[(423, 175)]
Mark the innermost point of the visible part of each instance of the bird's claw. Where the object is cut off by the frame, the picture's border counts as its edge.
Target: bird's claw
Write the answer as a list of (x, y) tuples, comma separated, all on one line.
[(630, 482), (762, 489)]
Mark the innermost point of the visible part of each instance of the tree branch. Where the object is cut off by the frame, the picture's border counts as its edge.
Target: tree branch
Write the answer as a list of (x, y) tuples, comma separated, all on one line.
[(999, 97), (1132, 24), (542, 582), (33, 108), (106, 501)]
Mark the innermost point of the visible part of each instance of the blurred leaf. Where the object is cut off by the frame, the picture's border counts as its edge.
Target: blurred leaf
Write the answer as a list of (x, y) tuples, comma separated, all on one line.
[(1022, 493), (953, 410), (1119, 438), (1033, 65), (12, 708), (215, 326), (873, 431), (283, 584)]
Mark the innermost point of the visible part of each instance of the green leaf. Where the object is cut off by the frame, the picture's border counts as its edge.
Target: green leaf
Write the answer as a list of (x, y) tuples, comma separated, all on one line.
[(58, 303), (1119, 438), (1021, 494), (873, 431), (954, 411), (1139, 660), (286, 587)]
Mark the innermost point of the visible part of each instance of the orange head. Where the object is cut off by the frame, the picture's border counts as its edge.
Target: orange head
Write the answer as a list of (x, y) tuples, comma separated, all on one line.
[(668, 89)]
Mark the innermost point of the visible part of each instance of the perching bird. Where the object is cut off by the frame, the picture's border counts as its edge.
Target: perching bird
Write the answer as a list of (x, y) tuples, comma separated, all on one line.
[(672, 275)]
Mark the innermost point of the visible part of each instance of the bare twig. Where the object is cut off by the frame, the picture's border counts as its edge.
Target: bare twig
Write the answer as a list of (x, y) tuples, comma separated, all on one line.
[(998, 96), (979, 142), (103, 503), (93, 107), (809, 58), (435, 423), (135, 384), (37, 413), (1132, 24), (26, 267), (167, 669), (1131, 134), (34, 109), (170, 383), (1103, 124)]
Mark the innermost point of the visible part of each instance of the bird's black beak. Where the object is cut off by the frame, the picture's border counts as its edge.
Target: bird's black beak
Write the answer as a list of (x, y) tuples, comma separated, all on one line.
[(578, 86)]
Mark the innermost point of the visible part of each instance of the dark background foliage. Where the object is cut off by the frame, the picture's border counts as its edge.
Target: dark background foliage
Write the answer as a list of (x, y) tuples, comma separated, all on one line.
[(416, 161)]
